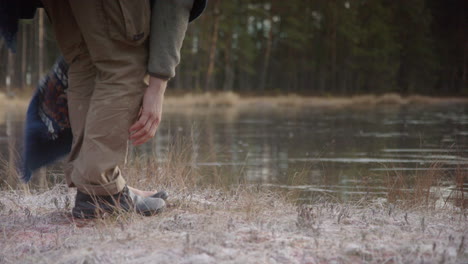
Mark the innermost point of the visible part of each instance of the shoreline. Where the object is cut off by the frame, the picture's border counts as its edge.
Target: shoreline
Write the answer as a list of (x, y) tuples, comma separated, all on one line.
[(233, 103), (243, 225), (232, 99)]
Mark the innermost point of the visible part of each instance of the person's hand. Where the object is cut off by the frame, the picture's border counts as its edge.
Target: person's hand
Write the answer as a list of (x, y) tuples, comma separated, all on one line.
[(150, 113)]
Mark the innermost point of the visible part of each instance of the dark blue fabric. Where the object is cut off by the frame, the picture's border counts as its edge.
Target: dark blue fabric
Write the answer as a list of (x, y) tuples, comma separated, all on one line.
[(39, 148), (47, 135)]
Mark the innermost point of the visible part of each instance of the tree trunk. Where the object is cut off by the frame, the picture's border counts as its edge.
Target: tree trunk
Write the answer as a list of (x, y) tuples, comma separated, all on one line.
[(334, 26), (266, 58), (41, 44), (10, 73), (213, 47), (228, 70)]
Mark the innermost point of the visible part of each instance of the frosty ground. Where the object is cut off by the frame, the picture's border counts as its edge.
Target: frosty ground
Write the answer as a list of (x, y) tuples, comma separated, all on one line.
[(243, 225)]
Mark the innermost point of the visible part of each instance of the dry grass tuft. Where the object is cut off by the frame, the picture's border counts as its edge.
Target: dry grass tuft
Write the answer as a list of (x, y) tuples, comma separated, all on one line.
[(419, 189), (458, 192), (173, 171)]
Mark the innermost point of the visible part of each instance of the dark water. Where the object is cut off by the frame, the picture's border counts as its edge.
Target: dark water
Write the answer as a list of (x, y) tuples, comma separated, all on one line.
[(344, 152)]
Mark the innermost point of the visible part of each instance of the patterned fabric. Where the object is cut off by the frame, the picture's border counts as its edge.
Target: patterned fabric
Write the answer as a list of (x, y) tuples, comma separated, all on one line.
[(53, 109), (47, 135)]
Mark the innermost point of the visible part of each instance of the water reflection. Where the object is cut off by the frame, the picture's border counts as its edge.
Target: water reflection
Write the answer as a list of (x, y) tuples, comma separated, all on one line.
[(342, 151)]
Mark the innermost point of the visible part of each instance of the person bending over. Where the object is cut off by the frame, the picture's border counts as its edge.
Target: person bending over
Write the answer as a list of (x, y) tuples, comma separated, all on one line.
[(105, 44)]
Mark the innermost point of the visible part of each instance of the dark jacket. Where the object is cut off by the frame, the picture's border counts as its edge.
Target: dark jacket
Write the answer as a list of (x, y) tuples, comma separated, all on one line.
[(169, 21)]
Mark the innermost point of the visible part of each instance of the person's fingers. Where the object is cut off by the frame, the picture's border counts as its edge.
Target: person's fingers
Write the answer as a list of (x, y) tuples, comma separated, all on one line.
[(142, 132), (140, 123), (144, 137)]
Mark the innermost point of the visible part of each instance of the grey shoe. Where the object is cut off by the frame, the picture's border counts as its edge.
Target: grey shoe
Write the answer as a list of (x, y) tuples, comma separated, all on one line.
[(88, 206), (147, 205), (161, 194)]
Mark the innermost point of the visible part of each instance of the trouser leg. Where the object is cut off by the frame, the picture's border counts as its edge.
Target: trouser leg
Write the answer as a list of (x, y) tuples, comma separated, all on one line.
[(81, 79), (81, 73), (100, 143)]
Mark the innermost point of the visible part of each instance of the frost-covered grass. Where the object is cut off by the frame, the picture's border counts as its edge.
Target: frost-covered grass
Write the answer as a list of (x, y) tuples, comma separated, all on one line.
[(237, 224), (242, 225)]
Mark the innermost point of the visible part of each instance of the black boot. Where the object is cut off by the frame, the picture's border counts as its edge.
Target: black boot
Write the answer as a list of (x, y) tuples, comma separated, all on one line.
[(91, 206)]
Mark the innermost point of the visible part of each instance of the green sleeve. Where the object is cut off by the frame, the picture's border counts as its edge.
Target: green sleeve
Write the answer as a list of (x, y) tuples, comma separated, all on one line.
[(169, 21)]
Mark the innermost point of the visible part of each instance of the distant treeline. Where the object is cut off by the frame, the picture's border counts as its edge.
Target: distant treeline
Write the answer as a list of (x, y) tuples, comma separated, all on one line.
[(302, 46)]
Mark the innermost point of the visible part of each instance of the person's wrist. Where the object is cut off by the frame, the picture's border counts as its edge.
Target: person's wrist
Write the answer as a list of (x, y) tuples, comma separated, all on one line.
[(157, 84)]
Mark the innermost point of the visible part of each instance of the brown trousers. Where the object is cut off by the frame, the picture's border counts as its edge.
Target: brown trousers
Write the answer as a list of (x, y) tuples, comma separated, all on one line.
[(105, 44)]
